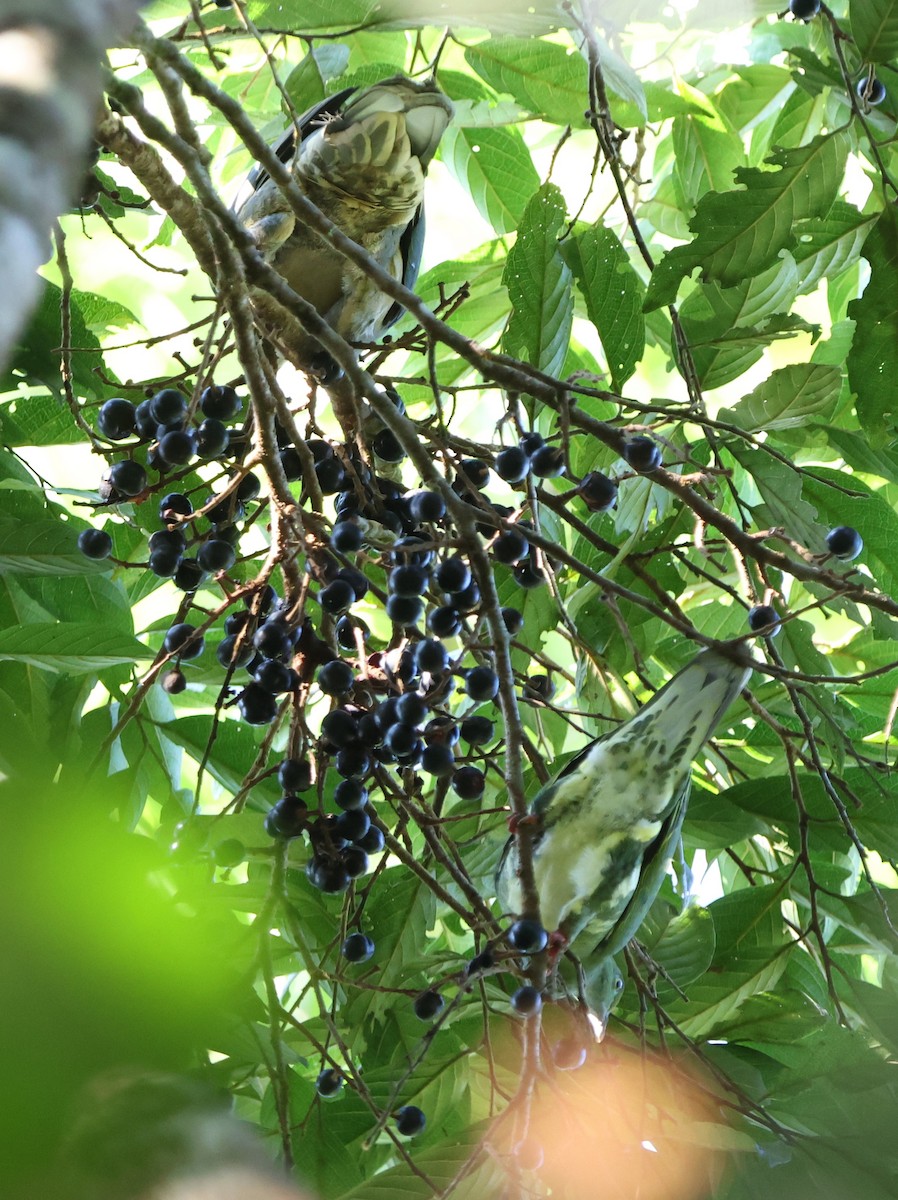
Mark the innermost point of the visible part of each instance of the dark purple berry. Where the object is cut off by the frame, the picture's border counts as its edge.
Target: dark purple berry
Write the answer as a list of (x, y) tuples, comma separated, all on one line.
[(761, 616), (510, 546), (404, 610), (295, 775), (117, 419), (527, 1000), (337, 596), (481, 683), (327, 875), (480, 962), (95, 543), (347, 537), (599, 493), (358, 947), (276, 677), (212, 439), (453, 574), (476, 731), (178, 447), (228, 654), (531, 442), (127, 478), (431, 656), (528, 937), (513, 620), (220, 403), (350, 795), (428, 1005), (355, 860), (444, 621), (426, 506), (373, 841), (256, 705), (871, 91), (174, 504), (168, 406), (387, 446), (248, 487), (410, 1120), (183, 640), (642, 454), (336, 678), (438, 760), (512, 464), (844, 542), (329, 1080), (548, 462), (273, 639), (189, 575), (216, 555), (804, 10), (468, 783)]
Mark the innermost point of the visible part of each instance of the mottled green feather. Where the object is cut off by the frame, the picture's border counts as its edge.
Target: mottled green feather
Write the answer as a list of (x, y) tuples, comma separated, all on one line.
[(609, 823)]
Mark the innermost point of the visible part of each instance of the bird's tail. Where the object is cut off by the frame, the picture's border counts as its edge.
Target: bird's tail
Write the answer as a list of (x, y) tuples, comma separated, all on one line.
[(682, 715)]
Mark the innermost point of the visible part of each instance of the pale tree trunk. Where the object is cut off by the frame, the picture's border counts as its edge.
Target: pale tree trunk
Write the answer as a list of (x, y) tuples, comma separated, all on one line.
[(51, 54)]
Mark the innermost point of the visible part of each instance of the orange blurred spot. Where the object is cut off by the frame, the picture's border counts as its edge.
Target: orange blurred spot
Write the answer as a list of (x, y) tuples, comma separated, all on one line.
[(623, 1127)]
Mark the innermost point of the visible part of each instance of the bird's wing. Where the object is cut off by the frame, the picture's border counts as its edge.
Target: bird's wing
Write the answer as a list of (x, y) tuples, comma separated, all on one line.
[(285, 146), (655, 863)]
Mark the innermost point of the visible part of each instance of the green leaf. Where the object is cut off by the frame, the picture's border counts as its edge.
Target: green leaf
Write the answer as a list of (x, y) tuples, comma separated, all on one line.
[(728, 328), (741, 233), (828, 245), (539, 286), (874, 26), (73, 647), (873, 359), (495, 166), (546, 79), (873, 516), (788, 397), (47, 547), (780, 487), (706, 156), (613, 293)]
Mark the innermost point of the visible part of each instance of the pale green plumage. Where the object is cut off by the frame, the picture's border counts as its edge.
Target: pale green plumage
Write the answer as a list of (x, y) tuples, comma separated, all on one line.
[(608, 825)]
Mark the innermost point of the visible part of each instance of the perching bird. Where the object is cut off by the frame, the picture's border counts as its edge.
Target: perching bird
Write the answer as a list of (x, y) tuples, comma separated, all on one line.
[(607, 826), (361, 159)]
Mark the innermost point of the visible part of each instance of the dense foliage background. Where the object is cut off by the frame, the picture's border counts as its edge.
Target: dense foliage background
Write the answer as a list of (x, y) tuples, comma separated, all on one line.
[(673, 222)]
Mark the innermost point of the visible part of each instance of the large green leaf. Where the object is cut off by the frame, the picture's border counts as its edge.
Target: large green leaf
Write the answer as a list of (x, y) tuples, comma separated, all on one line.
[(613, 293), (873, 360), (72, 647), (874, 26), (539, 285), (741, 232), (788, 397)]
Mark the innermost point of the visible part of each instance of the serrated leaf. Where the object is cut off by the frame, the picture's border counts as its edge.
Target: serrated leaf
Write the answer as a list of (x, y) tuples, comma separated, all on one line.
[(539, 284), (788, 397), (780, 486), (740, 233), (613, 293), (73, 647), (828, 245), (546, 79)]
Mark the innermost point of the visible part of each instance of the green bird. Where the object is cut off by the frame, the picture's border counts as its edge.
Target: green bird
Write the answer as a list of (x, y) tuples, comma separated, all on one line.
[(361, 157), (607, 826)]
